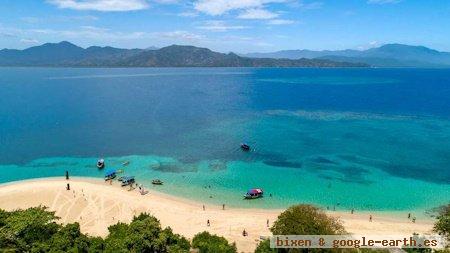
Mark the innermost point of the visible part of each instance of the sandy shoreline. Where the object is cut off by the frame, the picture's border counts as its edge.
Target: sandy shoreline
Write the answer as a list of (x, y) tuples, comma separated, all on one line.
[(97, 205)]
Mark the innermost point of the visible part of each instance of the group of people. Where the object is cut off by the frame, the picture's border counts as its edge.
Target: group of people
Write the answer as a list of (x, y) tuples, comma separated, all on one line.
[(142, 189), (244, 232), (413, 219)]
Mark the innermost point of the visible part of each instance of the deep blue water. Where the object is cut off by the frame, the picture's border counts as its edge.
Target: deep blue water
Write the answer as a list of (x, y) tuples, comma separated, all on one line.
[(339, 134)]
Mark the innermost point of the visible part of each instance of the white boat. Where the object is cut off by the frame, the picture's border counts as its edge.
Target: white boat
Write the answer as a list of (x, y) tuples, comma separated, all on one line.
[(101, 164)]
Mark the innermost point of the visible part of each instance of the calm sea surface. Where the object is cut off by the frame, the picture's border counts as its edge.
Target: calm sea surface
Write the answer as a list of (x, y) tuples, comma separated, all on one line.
[(370, 139)]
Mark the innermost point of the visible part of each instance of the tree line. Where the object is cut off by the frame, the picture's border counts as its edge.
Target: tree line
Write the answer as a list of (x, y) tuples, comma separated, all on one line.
[(37, 229)]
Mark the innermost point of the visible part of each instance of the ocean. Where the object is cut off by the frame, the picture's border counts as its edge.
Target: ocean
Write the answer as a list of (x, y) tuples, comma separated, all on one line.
[(363, 138)]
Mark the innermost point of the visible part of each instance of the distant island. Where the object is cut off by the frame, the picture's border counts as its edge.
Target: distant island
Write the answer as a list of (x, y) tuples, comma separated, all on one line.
[(66, 54), (389, 55)]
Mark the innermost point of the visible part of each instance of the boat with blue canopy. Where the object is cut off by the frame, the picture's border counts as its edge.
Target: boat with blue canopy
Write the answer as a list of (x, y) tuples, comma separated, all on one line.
[(110, 174)]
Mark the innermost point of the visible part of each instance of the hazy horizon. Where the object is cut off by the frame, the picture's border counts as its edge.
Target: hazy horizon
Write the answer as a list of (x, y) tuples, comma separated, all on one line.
[(156, 48)]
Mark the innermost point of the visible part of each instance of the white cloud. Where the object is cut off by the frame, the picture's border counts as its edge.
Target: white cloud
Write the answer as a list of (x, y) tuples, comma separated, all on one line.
[(82, 18), (29, 41), (311, 6), (383, 1), (10, 32), (7, 34), (190, 14), (242, 43), (101, 5), (179, 35), (235, 38), (281, 22), (219, 7), (59, 19), (369, 45), (219, 26), (263, 44), (300, 4), (257, 14), (100, 35), (89, 32), (166, 1)]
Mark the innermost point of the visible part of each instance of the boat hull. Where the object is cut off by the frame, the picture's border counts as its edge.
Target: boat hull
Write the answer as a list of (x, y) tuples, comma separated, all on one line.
[(252, 197)]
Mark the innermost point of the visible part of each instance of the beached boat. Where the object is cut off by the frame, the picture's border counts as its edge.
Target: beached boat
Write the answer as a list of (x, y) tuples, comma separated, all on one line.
[(110, 175), (245, 147), (101, 164), (127, 180), (254, 193), (157, 182)]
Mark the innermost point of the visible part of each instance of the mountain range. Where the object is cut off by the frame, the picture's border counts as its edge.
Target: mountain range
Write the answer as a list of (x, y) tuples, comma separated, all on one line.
[(389, 55), (66, 54)]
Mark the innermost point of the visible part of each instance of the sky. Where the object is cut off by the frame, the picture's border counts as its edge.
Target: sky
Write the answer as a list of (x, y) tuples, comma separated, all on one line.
[(239, 26)]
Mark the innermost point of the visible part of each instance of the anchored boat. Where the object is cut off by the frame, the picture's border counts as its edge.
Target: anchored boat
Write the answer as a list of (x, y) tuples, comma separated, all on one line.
[(110, 175), (157, 182), (127, 180), (245, 147), (101, 163), (254, 193)]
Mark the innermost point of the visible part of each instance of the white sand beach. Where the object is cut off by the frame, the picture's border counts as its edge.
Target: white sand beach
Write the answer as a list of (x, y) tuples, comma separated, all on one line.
[(96, 205)]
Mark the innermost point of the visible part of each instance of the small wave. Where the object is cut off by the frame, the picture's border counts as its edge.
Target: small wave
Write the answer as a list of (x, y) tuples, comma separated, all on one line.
[(100, 76), (143, 75), (336, 116), (335, 80)]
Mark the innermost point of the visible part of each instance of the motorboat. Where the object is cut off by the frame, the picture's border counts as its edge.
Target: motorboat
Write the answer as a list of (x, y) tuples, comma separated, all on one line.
[(110, 175), (101, 163), (157, 182), (245, 147), (254, 193), (127, 180)]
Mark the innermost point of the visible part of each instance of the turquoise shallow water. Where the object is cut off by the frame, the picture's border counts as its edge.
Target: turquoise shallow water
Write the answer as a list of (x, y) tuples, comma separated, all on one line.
[(363, 139)]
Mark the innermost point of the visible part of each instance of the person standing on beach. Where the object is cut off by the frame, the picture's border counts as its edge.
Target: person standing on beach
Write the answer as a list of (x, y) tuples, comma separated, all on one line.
[(223, 206), (353, 210), (203, 207), (370, 218), (267, 222), (207, 223), (67, 175), (68, 187)]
